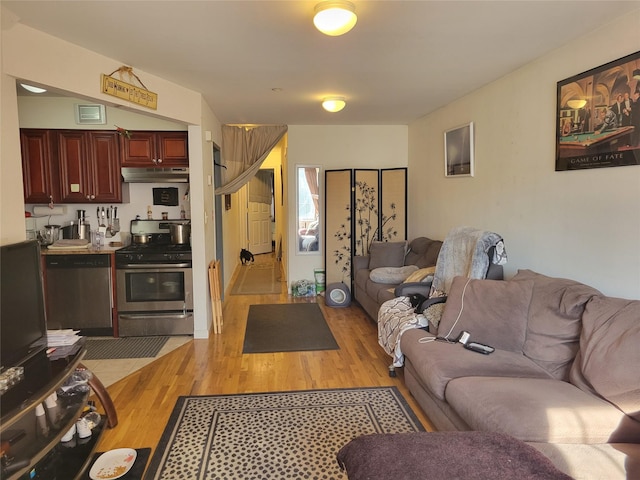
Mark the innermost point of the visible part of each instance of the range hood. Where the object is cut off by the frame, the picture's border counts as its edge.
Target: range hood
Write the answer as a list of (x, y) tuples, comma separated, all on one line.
[(155, 175)]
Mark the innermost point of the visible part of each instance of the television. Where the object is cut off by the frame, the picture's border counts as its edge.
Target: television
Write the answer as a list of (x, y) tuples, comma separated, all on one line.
[(23, 325)]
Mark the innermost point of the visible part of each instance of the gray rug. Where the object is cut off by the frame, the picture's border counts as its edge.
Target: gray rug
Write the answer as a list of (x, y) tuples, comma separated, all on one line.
[(258, 279), (287, 327), (128, 347), (281, 435)]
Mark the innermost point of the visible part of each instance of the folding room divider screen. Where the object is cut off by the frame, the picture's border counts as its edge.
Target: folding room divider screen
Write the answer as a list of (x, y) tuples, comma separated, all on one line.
[(361, 206)]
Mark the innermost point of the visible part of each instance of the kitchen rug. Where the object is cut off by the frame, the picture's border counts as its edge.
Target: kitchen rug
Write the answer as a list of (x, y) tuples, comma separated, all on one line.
[(127, 347), (287, 327), (273, 436)]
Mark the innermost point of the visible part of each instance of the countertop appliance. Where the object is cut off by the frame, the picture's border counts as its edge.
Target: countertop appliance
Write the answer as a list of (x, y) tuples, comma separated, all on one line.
[(79, 293), (154, 283)]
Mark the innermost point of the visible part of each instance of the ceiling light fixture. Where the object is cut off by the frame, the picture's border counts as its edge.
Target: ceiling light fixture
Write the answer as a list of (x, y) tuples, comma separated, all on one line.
[(333, 104), (636, 74), (33, 89), (335, 17), (577, 104)]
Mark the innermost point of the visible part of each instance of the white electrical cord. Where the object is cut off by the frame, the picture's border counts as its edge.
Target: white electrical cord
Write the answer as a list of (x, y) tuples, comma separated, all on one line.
[(446, 337)]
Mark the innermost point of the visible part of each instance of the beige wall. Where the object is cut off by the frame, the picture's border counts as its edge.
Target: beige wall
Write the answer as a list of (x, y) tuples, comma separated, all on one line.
[(33, 56), (582, 225), (336, 147)]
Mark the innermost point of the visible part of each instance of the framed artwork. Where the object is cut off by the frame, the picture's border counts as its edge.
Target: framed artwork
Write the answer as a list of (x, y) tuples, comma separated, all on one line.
[(598, 117), (458, 151)]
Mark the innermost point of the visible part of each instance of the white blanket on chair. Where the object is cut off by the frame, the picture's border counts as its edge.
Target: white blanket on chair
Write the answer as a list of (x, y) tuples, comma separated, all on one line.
[(395, 317), (464, 253)]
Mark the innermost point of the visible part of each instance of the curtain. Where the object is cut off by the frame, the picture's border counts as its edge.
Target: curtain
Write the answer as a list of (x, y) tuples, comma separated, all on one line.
[(260, 187), (311, 174), (243, 150)]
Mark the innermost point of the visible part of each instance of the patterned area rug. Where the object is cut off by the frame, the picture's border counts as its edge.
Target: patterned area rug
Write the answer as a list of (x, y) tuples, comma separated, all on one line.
[(129, 347), (273, 435)]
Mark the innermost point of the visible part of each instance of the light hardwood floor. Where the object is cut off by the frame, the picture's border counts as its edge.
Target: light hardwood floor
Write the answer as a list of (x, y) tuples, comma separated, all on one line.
[(144, 400)]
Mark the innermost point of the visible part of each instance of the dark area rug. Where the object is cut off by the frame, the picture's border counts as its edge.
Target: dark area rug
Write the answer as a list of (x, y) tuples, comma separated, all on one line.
[(128, 347), (287, 327), (274, 435)]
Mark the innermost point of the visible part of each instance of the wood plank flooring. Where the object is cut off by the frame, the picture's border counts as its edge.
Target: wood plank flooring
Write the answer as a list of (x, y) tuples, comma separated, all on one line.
[(144, 400)]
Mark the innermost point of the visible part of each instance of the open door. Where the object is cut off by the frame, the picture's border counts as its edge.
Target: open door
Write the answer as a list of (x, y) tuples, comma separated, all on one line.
[(261, 212)]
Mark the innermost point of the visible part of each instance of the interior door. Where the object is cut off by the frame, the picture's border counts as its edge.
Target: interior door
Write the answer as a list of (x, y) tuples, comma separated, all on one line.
[(260, 213)]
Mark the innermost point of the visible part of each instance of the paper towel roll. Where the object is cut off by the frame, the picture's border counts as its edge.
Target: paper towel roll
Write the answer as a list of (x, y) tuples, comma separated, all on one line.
[(42, 211)]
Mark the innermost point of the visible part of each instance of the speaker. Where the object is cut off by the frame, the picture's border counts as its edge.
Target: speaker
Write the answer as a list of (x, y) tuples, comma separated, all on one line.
[(337, 295)]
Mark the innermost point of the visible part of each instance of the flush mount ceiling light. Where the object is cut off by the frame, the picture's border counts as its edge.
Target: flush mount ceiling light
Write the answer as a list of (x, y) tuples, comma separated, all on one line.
[(33, 89), (335, 17), (577, 104), (333, 104), (636, 74)]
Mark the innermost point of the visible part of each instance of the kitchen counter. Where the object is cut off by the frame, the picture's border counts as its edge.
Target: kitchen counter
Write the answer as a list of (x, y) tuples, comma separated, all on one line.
[(81, 251)]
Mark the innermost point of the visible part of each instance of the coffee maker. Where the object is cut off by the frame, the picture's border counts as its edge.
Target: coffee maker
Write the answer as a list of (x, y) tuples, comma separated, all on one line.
[(79, 229)]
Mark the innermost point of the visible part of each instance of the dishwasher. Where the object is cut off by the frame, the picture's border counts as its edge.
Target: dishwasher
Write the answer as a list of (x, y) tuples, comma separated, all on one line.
[(79, 293)]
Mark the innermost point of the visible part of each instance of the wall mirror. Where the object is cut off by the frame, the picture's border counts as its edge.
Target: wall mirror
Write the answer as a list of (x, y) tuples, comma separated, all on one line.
[(308, 209)]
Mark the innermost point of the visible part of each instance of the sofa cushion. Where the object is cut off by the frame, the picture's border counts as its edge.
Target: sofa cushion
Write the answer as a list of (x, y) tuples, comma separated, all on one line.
[(609, 347), (492, 311), (423, 252), (391, 275), (534, 409), (387, 254), (438, 362), (421, 275), (555, 313)]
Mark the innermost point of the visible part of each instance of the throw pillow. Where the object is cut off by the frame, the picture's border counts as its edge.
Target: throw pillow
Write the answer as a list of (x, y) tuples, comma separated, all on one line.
[(391, 275), (386, 254), (421, 275), (494, 312), (608, 351), (555, 313)]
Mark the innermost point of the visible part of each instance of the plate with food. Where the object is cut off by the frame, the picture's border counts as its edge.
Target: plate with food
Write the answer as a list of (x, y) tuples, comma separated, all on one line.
[(113, 464)]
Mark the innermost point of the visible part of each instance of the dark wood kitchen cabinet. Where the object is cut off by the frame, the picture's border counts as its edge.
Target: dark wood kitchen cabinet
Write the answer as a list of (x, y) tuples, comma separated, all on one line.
[(89, 165), (39, 167), (155, 149)]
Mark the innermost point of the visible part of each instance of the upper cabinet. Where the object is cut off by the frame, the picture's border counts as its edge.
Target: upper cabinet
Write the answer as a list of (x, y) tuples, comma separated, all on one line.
[(70, 166), (39, 168), (155, 149), (89, 165)]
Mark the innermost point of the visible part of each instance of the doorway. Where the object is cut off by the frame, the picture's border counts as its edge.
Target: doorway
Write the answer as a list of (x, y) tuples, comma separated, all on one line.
[(218, 199), (261, 212)]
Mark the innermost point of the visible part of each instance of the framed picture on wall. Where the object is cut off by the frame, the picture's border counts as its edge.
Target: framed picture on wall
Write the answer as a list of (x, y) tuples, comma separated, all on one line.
[(598, 117), (458, 151)]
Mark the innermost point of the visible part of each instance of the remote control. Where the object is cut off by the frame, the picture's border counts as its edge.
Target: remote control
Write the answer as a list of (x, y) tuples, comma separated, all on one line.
[(479, 347)]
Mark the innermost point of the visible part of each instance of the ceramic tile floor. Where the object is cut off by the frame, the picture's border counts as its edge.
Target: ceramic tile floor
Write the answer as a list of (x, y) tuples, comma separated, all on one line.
[(110, 371)]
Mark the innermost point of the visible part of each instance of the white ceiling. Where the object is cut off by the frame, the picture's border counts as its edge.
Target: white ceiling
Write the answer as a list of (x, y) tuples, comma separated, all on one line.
[(403, 60)]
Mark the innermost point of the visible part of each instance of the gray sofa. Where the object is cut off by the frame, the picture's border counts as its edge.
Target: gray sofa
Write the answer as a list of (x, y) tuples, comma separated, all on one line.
[(421, 252), (564, 376)]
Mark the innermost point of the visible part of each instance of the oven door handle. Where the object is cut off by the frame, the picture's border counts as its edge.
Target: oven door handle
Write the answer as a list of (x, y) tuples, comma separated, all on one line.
[(164, 266)]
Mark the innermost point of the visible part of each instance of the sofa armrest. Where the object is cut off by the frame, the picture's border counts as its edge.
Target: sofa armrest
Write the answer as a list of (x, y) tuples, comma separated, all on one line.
[(360, 262), (406, 289)]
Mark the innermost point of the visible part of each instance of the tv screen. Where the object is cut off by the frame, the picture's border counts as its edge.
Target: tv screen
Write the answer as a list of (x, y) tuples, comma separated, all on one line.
[(23, 326)]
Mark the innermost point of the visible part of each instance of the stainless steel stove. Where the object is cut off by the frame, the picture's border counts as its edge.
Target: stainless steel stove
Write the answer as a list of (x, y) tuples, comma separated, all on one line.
[(154, 283)]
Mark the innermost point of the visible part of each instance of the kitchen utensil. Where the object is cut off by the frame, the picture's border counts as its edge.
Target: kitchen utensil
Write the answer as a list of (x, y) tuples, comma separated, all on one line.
[(180, 233), (140, 238), (49, 234), (114, 226)]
